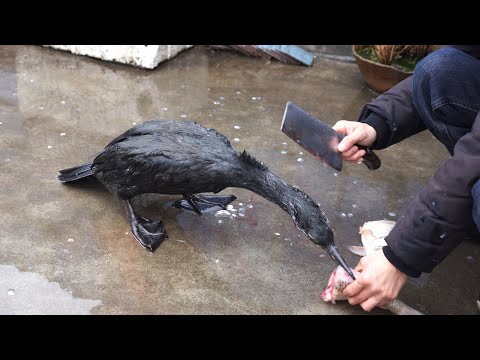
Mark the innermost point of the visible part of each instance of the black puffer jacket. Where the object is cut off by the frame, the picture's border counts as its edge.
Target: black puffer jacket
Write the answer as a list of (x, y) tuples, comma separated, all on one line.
[(440, 216)]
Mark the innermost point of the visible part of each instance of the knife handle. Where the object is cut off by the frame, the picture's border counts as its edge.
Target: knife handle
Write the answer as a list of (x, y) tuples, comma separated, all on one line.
[(370, 159)]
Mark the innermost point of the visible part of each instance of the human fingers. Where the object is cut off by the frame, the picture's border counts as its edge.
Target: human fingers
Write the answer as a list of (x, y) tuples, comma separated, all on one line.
[(353, 289), (355, 157), (360, 297), (342, 126), (370, 303)]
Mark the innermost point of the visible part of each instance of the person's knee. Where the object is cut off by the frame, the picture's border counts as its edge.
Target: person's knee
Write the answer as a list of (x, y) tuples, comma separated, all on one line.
[(436, 63)]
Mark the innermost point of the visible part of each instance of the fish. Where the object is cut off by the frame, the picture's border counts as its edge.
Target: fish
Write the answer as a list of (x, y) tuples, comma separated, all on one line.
[(340, 279), (372, 235)]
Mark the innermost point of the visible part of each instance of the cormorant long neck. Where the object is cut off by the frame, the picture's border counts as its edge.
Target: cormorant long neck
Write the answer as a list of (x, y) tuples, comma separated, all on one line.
[(305, 212), (278, 191), (263, 182)]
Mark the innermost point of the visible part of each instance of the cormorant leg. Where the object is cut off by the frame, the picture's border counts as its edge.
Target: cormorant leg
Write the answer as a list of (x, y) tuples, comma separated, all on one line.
[(149, 233), (204, 203)]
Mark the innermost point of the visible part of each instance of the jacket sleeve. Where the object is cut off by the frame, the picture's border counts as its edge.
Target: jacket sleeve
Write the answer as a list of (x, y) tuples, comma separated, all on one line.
[(440, 216), (393, 115)]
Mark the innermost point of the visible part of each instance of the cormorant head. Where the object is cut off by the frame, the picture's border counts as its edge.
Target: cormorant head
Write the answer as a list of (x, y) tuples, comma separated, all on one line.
[(312, 222)]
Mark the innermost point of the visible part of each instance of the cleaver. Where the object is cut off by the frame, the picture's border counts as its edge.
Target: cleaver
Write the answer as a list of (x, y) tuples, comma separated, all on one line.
[(319, 139)]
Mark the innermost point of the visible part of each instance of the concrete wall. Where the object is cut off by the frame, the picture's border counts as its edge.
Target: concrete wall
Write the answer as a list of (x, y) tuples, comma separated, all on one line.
[(144, 56)]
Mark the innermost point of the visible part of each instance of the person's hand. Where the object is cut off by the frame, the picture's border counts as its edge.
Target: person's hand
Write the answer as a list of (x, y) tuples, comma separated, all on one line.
[(378, 283), (357, 133)]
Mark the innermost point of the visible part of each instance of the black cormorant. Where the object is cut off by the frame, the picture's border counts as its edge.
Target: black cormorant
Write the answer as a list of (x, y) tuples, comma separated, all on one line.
[(183, 157)]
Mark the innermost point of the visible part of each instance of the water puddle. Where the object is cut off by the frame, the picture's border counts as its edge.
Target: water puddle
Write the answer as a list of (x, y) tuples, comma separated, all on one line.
[(27, 293)]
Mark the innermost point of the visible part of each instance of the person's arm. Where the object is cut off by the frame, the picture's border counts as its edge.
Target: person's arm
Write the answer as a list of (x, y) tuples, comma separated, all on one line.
[(434, 223), (388, 119), (393, 115), (440, 216)]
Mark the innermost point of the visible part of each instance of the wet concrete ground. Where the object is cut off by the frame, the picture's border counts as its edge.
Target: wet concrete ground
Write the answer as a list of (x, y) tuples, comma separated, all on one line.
[(69, 249)]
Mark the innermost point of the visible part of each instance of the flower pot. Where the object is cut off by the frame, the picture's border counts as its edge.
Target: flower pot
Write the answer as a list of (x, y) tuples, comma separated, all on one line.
[(379, 77)]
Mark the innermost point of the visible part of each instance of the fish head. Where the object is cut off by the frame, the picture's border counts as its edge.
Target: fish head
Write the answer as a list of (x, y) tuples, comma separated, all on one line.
[(338, 281)]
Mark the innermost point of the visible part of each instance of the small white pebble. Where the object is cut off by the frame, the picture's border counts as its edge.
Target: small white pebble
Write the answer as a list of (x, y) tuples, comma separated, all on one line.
[(392, 214), (321, 255), (41, 108), (250, 206), (70, 240), (216, 102), (134, 123), (344, 215), (254, 98), (1, 123), (283, 152), (216, 261), (164, 109), (183, 115), (350, 214), (301, 153), (284, 143), (31, 80), (220, 221), (335, 174), (11, 292), (239, 92), (300, 159), (63, 102), (126, 233), (236, 127), (229, 207), (49, 146), (233, 216), (62, 134), (236, 139), (278, 234), (209, 114), (241, 214), (240, 204), (354, 182), (354, 205), (222, 98)]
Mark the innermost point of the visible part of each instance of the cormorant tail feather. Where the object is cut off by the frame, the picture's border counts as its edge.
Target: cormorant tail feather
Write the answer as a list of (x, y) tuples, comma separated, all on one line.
[(76, 173)]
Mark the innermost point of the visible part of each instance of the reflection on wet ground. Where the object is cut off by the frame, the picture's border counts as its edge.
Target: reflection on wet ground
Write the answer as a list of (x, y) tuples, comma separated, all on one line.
[(58, 110)]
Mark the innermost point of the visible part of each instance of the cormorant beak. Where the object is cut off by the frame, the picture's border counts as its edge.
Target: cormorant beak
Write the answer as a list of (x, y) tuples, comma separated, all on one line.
[(335, 255)]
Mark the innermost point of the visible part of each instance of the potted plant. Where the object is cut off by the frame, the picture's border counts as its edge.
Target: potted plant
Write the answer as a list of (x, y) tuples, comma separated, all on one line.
[(384, 66)]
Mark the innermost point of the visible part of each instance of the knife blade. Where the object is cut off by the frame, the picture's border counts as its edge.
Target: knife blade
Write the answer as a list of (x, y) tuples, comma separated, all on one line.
[(318, 138)]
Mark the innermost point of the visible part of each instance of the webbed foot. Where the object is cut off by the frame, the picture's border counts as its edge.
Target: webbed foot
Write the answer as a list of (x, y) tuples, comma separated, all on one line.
[(204, 203), (149, 233)]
